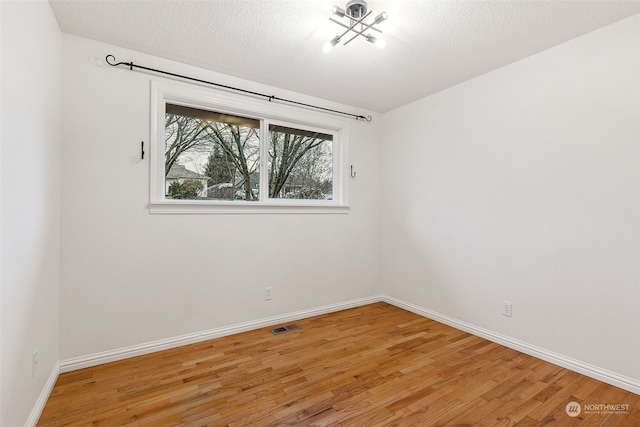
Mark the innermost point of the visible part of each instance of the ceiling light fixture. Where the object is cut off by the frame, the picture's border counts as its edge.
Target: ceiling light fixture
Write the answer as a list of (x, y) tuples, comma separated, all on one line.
[(356, 11)]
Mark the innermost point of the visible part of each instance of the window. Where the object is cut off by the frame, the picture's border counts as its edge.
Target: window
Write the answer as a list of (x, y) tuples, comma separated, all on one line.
[(214, 152)]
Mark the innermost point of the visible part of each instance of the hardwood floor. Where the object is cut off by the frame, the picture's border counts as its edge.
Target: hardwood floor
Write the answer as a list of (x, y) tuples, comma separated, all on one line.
[(376, 365)]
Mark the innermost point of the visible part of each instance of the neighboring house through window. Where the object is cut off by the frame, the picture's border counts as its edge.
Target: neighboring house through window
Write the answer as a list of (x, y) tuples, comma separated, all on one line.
[(182, 183)]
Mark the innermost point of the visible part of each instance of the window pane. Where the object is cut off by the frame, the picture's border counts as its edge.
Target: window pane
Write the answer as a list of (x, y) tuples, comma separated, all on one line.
[(300, 164), (210, 155)]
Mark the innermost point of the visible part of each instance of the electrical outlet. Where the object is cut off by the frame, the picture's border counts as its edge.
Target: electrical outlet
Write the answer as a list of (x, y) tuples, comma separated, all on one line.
[(506, 308), (268, 293), (34, 363)]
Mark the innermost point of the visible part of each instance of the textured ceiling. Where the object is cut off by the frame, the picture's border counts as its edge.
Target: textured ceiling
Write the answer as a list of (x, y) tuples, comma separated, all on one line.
[(431, 45)]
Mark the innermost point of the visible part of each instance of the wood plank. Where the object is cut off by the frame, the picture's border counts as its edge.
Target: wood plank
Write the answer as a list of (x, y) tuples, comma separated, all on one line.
[(375, 365)]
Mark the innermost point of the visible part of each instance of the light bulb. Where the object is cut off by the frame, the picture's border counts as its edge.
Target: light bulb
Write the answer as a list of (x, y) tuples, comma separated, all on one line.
[(328, 46), (380, 43), (382, 17), (338, 11)]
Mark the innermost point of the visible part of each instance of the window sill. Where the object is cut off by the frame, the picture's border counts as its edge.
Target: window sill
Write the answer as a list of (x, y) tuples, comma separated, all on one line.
[(173, 207)]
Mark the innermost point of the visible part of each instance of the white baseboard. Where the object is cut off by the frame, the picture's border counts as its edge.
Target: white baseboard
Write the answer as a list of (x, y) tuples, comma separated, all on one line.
[(164, 344), (34, 416), (604, 375)]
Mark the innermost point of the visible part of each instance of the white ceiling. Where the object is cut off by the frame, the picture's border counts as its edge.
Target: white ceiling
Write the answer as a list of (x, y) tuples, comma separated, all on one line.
[(431, 45)]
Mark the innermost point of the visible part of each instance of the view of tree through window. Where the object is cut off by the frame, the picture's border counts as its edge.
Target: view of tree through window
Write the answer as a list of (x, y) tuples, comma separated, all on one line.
[(300, 164), (210, 156), (216, 156)]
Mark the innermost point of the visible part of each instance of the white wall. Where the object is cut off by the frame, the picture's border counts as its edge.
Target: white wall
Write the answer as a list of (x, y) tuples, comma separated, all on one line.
[(523, 185), (30, 200), (129, 277)]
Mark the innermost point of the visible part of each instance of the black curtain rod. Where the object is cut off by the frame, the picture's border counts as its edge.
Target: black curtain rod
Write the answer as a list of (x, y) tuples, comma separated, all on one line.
[(111, 61)]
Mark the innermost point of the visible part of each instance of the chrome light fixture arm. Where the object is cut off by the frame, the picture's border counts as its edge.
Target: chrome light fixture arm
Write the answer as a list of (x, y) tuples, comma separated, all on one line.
[(342, 24), (354, 23), (356, 11), (364, 28)]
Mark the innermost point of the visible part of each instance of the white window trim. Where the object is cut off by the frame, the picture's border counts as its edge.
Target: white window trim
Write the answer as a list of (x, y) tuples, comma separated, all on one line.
[(268, 112)]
